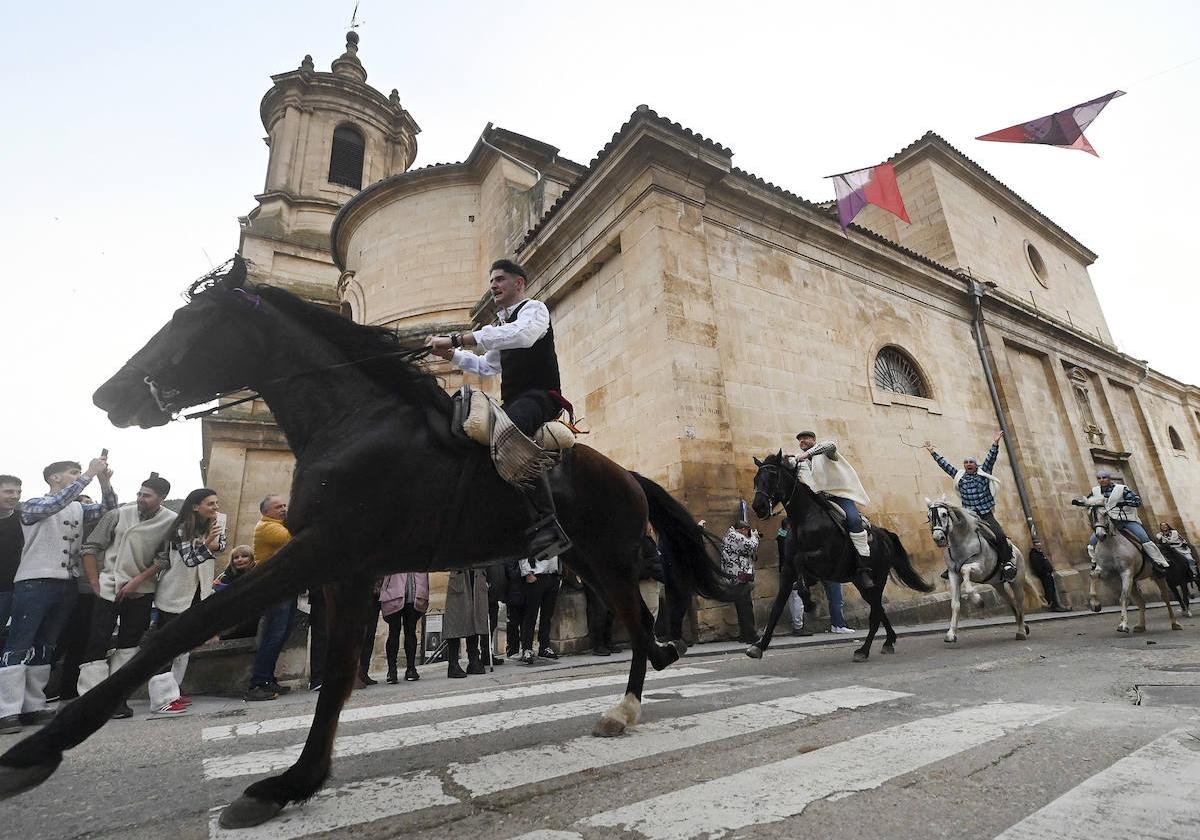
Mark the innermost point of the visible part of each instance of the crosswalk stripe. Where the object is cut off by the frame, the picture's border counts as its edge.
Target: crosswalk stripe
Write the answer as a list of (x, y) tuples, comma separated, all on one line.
[(431, 704), (1150, 794), (549, 835), (493, 773), (783, 789), (391, 796), (264, 761)]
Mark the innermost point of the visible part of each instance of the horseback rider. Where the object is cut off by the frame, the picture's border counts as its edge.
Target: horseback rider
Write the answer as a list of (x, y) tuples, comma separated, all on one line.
[(824, 469), (974, 485), (1118, 499), (520, 345)]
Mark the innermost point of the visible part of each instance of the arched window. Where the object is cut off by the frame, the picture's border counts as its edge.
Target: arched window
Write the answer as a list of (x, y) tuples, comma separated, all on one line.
[(1036, 263), (1176, 440), (895, 371), (346, 157)]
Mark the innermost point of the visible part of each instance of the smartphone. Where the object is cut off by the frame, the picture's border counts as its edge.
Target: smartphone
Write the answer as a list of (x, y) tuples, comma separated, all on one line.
[(221, 520), (103, 453)]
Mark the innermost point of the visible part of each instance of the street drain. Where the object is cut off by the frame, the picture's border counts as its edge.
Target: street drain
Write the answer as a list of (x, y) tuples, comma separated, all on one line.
[(1168, 695)]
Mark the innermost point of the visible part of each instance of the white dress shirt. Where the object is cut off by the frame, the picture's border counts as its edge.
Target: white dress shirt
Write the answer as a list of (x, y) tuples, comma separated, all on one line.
[(531, 324)]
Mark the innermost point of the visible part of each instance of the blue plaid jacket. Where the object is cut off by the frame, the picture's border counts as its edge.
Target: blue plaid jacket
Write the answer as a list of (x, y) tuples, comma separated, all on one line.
[(976, 491)]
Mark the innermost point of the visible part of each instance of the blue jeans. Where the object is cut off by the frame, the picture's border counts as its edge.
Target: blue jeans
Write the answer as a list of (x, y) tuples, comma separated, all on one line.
[(1134, 528), (277, 623), (833, 594), (40, 608), (853, 518)]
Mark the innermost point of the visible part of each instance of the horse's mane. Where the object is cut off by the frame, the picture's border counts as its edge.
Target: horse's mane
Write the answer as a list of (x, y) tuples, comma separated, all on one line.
[(960, 514), (377, 349)]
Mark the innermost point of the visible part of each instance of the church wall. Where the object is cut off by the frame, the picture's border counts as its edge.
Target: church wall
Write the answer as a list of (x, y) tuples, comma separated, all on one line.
[(1164, 409), (417, 257), (989, 241), (928, 234)]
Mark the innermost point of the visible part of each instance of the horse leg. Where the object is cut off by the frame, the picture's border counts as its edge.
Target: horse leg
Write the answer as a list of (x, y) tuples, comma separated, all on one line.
[(1126, 585), (787, 578), (889, 643), (34, 759), (347, 610), (1015, 603), (1162, 588), (955, 606), (1140, 600), (1093, 591), (874, 598)]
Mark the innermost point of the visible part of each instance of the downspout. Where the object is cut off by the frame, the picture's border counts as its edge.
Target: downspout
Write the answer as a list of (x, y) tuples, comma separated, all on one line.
[(985, 351), (483, 139)]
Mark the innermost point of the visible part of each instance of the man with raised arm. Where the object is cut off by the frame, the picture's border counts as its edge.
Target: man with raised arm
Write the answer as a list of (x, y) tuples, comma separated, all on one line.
[(53, 527), (976, 488), (520, 347)]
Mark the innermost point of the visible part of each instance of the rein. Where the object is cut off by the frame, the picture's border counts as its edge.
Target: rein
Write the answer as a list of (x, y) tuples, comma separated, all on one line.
[(413, 354)]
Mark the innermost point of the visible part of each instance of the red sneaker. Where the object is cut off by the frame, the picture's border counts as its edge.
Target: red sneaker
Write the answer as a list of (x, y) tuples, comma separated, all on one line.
[(175, 707), (185, 700)]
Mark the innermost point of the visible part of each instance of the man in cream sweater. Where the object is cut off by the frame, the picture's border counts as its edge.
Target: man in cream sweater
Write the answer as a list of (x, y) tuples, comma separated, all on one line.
[(824, 469)]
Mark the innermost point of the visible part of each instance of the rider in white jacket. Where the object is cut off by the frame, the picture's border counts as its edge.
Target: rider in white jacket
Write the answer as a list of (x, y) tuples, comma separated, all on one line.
[(824, 469)]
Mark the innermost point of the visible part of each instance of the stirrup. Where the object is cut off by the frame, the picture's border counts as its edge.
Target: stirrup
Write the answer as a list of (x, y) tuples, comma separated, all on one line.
[(560, 544)]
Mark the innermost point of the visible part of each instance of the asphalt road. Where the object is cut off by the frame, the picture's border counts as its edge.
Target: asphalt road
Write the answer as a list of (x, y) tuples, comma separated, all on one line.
[(990, 738)]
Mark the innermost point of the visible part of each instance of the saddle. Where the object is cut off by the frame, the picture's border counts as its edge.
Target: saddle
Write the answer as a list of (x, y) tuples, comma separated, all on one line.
[(839, 516), (517, 458)]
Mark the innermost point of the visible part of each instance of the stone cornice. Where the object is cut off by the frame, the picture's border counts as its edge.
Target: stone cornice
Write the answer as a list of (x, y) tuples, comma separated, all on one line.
[(304, 88)]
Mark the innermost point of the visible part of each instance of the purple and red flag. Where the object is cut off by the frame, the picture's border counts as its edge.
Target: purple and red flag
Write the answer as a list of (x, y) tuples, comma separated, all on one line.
[(873, 185), (1064, 128)]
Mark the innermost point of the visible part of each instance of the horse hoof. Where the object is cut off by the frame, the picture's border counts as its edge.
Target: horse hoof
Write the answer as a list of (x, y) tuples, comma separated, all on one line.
[(1176, 626), (608, 726), (754, 652), (1095, 607), (860, 656), (1139, 628), (679, 645), (950, 641), (888, 647), (14, 780), (246, 811), (1020, 637), (1122, 628)]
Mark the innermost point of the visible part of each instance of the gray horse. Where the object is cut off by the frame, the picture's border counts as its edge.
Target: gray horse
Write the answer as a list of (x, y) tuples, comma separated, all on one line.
[(1117, 556), (971, 559)]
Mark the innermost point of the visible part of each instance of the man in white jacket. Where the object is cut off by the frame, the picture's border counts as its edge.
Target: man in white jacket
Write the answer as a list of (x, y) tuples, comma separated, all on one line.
[(824, 469)]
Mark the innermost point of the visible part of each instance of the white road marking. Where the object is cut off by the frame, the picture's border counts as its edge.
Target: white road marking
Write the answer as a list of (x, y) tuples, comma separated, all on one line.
[(783, 789), (359, 802), (264, 761), (1150, 794), (492, 773), (350, 804), (550, 835), (431, 704)]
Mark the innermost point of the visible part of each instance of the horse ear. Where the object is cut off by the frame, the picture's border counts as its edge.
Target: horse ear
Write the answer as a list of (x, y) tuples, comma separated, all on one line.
[(779, 454), (235, 278), (757, 462), (928, 502)]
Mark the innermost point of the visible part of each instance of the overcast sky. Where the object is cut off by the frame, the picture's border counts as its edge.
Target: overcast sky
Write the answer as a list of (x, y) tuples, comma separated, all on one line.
[(134, 143)]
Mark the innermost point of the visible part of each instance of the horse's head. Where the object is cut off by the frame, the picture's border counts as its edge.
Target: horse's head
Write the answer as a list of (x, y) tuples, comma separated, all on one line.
[(940, 521), (196, 356), (1097, 514), (773, 483)]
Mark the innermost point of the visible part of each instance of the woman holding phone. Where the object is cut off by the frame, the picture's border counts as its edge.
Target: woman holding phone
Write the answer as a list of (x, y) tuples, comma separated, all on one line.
[(189, 557)]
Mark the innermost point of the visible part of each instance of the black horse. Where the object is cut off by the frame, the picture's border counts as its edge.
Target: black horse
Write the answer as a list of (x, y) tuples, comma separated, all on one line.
[(380, 485), (819, 546)]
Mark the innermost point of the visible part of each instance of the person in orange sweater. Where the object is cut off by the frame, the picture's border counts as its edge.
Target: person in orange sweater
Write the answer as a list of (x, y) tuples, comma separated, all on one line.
[(270, 535)]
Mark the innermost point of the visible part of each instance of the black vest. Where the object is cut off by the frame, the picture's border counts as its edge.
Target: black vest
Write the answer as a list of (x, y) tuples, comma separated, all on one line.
[(529, 368)]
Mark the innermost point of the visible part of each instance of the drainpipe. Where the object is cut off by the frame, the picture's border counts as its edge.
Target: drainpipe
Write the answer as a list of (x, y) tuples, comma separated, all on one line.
[(981, 343), (506, 155)]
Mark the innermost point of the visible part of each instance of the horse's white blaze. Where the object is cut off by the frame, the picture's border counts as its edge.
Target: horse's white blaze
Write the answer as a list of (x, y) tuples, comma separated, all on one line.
[(359, 802), (264, 761), (1150, 794), (432, 704), (783, 789)]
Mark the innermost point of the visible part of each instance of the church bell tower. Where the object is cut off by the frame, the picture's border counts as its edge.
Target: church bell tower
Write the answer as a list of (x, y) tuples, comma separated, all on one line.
[(330, 135)]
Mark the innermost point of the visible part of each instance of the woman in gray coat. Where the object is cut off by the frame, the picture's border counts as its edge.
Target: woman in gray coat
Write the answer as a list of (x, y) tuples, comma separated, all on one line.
[(466, 617)]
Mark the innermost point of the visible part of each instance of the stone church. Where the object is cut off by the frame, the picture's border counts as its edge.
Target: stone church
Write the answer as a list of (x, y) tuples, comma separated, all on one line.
[(704, 316)]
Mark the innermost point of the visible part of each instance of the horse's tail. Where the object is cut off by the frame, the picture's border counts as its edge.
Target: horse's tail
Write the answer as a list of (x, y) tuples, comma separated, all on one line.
[(1029, 591), (687, 544), (902, 566)]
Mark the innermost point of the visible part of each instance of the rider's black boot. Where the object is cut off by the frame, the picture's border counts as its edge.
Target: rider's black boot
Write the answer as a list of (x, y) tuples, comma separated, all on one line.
[(548, 538), (1008, 569), (863, 576)]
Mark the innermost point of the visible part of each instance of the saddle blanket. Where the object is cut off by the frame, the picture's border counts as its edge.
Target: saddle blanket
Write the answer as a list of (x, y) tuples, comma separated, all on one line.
[(518, 459)]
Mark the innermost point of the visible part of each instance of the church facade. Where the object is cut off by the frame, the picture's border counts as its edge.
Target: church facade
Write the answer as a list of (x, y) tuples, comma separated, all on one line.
[(704, 316)]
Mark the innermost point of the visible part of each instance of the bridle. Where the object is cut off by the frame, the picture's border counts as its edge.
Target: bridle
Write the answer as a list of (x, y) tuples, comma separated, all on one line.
[(166, 396), (939, 524), (775, 496)]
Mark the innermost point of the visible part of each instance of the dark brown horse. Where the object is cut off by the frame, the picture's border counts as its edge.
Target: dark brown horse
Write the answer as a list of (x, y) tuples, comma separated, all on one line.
[(381, 485)]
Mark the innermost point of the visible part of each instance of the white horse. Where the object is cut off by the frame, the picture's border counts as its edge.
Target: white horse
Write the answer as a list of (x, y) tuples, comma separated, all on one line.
[(1118, 556), (971, 559)]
